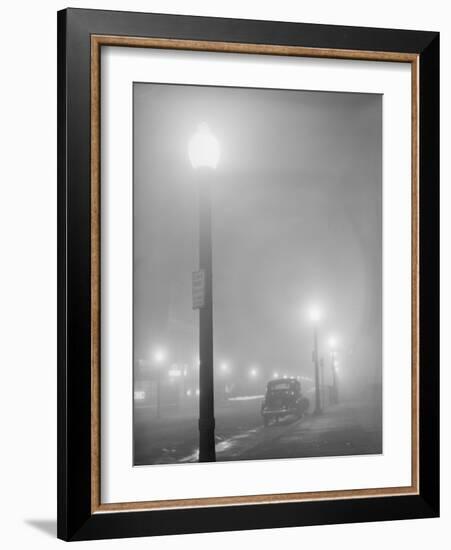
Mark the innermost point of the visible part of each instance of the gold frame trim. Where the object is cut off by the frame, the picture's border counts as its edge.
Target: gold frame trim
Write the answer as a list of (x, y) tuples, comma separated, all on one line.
[(97, 41)]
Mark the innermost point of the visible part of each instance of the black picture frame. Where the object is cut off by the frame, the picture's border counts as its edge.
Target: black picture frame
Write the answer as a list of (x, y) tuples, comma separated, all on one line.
[(76, 520)]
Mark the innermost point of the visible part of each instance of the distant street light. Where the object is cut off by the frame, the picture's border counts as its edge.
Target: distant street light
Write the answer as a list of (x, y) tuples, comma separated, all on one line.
[(275, 375), (224, 367), (321, 382), (175, 373), (334, 363), (183, 381), (159, 356), (314, 314), (253, 372), (204, 153), (315, 317), (334, 380), (332, 342)]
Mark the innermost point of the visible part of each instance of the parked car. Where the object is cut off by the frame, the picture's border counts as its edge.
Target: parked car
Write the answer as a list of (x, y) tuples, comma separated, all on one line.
[(283, 398)]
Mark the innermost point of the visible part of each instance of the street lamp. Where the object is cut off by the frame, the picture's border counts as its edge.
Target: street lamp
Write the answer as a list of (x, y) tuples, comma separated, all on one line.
[(321, 382), (315, 317), (334, 363), (159, 357), (176, 374), (332, 343), (204, 153), (224, 367), (203, 149), (314, 314)]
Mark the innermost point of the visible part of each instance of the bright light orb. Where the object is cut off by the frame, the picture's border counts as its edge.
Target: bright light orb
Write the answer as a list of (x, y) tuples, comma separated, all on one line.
[(159, 355), (224, 367), (203, 148), (314, 314), (253, 373), (332, 342)]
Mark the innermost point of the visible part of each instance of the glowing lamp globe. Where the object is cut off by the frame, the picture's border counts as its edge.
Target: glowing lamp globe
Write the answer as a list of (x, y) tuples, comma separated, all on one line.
[(332, 342), (314, 314), (224, 367), (159, 355), (203, 148)]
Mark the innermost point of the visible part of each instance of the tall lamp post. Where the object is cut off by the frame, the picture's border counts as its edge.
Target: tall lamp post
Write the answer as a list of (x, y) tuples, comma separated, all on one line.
[(315, 317), (159, 357), (224, 372), (204, 156), (333, 351), (321, 382), (334, 380)]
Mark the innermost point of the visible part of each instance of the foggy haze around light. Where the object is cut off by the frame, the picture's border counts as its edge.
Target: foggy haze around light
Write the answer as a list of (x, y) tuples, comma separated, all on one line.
[(296, 220)]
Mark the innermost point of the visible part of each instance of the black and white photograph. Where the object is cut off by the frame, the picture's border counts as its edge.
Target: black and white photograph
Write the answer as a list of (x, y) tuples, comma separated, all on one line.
[(248, 276), (257, 274)]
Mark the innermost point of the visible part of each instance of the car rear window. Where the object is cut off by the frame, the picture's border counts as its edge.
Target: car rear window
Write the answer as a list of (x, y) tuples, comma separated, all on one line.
[(280, 386)]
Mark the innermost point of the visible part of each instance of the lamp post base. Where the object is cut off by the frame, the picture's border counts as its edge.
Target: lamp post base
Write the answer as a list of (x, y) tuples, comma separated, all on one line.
[(207, 447)]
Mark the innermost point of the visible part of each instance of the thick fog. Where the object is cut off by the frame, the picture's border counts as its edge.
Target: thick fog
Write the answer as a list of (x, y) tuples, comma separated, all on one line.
[(296, 213)]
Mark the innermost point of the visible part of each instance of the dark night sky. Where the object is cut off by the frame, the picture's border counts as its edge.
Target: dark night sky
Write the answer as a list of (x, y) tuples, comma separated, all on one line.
[(296, 219)]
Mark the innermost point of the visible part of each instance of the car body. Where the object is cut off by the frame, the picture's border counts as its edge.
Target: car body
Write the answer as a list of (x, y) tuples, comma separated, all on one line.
[(283, 398)]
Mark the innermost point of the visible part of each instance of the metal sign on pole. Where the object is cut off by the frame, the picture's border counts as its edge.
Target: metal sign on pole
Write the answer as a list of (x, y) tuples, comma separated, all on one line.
[(198, 289)]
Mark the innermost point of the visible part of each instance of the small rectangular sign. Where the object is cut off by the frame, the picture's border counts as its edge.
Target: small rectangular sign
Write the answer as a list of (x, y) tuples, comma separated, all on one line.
[(198, 289)]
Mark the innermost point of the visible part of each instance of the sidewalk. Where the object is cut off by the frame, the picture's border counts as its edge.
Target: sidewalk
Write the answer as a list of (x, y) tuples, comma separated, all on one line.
[(345, 429)]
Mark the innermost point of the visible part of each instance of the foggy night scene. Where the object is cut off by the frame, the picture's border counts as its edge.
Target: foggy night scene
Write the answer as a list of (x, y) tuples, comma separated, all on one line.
[(257, 274)]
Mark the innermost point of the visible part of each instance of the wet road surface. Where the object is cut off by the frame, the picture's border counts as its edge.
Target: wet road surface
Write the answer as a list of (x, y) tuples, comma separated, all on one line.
[(350, 428)]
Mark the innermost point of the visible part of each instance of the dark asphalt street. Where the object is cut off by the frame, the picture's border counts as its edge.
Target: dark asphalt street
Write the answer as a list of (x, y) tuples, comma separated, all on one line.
[(350, 428)]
